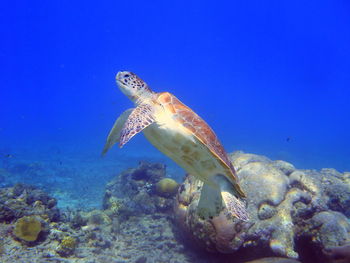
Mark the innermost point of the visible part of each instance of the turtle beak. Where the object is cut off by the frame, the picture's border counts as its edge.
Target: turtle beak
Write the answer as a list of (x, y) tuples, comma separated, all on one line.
[(119, 76), (122, 79)]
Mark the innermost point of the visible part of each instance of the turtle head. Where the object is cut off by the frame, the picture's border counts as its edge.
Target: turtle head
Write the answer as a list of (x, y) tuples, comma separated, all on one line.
[(132, 86)]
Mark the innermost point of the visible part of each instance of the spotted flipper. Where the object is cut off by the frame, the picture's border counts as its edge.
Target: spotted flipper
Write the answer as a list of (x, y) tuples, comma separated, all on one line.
[(234, 206), (140, 118), (114, 134)]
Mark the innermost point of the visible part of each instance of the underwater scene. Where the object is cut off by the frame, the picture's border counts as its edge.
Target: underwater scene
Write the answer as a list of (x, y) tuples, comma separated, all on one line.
[(175, 131)]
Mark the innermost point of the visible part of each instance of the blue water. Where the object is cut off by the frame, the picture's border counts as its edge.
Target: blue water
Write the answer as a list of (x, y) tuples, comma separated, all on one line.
[(270, 77)]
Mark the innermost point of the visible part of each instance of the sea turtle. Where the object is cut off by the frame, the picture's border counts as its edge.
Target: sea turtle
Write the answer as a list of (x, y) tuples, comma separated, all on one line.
[(182, 135)]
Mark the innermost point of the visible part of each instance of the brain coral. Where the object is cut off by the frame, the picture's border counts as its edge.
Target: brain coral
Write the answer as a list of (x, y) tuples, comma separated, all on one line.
[(27, 228), (166, 187)]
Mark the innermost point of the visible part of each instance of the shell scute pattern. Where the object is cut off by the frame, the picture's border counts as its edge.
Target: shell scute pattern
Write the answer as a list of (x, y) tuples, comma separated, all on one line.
[(197, 126)]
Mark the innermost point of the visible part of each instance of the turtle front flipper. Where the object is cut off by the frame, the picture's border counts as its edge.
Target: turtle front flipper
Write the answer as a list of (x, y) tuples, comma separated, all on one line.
[(140, 118), (114, 134)]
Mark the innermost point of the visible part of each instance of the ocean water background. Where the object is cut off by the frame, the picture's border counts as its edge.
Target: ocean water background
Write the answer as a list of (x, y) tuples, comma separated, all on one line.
[(270, 77)]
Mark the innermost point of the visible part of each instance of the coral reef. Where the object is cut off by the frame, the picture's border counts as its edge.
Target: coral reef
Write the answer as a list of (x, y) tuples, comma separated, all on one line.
[(143, 190), (134, 225), (146, 238), (286, 206), (150, 172), (292, 213), (24, 200)]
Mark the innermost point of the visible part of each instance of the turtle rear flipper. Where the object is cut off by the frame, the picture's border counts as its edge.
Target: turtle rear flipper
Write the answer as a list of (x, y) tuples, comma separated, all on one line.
[(229, 193), (234, 206)]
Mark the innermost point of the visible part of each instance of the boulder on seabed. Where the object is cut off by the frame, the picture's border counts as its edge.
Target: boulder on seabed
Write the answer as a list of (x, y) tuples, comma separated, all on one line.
[(284, 203)]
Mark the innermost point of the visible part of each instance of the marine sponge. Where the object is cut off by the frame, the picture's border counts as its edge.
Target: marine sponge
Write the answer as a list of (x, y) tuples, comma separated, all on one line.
[(115, 205), (69, 242), (27, 228), (97, 217), (67, 246), (166, 187)]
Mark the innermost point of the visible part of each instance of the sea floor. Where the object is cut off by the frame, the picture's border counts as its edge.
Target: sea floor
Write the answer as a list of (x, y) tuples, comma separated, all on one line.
[(78, 183), (77, 179), (141, 239)]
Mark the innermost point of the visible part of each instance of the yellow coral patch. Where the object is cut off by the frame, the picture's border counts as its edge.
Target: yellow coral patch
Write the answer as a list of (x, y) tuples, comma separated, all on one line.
[(69, 242)]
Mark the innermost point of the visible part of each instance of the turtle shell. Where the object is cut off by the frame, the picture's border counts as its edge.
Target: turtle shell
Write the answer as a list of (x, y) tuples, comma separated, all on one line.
[(201, 130)]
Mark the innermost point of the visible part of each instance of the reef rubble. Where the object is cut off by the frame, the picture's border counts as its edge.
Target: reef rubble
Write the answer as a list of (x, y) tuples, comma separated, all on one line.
[(134, 224)]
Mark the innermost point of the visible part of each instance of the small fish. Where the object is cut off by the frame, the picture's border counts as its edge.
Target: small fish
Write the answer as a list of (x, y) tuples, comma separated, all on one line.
[(8, 155), (288, 139)]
